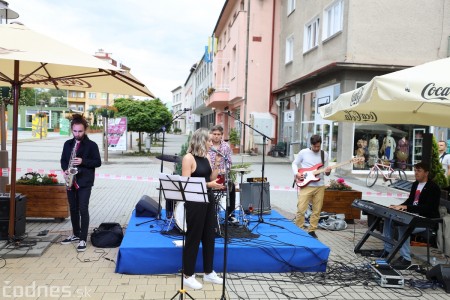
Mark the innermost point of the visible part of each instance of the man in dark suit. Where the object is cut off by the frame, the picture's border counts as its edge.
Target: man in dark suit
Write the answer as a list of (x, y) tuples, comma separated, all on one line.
[(424, 200)]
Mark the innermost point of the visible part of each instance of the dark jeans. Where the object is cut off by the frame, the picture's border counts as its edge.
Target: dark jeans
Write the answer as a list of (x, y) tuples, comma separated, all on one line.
[(79, 210), (200, 221)]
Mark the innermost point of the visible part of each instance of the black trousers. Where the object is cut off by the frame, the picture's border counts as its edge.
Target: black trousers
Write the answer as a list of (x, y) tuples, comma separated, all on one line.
[(200, 221), (79, 210), (232, 206)]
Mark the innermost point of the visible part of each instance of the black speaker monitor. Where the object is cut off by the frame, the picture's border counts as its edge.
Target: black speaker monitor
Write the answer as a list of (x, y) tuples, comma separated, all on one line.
[(19, 218), (146, 207), (251, 193), (441, 274)]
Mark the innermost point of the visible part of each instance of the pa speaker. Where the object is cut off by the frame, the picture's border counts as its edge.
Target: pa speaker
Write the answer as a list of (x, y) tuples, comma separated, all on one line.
[(146, 207), (251, 193), (19, 218), (441, 274), (427, 146)]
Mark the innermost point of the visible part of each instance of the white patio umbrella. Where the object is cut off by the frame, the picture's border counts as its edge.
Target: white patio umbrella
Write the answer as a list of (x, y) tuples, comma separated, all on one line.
[(418, 95), (30, 59)]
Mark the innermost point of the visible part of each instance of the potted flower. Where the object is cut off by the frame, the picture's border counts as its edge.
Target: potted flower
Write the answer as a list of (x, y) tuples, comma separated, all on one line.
[(234, 140), (338, 198), (46, 196), (106, 111), (339, 185), (41, 114)]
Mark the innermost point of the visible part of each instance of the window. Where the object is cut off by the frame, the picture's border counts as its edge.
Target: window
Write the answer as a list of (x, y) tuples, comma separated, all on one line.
[(311, 36), (80, 108), (332, 19), (290, 6), (104, 96), (289, 49), (73, 94), (92, 95)]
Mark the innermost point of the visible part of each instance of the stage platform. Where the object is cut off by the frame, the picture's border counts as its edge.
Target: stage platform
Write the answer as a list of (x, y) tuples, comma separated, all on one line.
[(145, 250)]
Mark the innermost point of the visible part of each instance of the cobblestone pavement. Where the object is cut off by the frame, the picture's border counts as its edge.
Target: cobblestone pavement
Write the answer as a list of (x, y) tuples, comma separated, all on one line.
[(62, 273)]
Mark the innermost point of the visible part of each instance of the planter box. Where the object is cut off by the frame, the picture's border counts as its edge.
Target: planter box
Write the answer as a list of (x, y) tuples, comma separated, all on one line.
[(44, 201), (340, 202)]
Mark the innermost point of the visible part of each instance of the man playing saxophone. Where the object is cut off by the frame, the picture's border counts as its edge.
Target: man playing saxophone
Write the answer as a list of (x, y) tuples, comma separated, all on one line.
[(79, 158)]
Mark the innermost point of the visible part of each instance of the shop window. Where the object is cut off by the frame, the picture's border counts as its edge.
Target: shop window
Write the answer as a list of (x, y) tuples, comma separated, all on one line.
[(393, 143)]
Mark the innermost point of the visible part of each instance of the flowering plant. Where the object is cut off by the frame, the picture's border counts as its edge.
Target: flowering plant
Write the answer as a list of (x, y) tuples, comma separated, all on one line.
[(339, 184), (41, 114), (107, 111), (34, 178)]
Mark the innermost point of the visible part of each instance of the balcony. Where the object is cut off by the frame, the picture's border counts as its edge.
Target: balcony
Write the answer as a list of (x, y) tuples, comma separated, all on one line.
[(219, 97)]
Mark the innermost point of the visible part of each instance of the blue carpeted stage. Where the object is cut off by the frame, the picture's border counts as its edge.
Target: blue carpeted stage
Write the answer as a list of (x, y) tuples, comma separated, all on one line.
[(145, 250)]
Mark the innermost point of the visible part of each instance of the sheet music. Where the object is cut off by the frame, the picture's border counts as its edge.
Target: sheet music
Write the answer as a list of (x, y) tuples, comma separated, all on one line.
[(194, 188)]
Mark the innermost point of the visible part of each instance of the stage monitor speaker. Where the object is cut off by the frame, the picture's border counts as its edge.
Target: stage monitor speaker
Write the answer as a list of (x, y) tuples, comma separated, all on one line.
[(427, 146), (19, 219), (441, 274), (251, 193), (146, 207)]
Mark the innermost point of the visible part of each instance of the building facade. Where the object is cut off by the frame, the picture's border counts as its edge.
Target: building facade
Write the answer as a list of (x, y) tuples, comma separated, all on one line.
[(326, 48)]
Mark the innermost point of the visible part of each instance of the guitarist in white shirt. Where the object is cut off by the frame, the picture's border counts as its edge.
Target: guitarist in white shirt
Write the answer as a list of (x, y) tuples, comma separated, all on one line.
[(314, 191)]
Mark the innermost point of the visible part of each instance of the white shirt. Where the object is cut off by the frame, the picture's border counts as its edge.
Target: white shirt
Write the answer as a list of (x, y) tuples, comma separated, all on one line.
[(445, 161), (307, 158)]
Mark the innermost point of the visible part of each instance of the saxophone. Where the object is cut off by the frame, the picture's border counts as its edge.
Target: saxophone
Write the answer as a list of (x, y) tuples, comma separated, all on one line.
[(72, 169)]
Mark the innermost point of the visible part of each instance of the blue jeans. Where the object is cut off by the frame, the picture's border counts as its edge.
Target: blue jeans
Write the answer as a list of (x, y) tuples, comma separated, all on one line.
[(79, 210), (388, 229)]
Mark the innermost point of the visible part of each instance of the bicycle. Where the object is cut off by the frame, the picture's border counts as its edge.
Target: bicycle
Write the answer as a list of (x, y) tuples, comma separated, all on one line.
[(386, 170)]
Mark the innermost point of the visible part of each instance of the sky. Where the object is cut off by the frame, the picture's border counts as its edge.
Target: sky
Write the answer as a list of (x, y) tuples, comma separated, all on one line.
[(159, 40)]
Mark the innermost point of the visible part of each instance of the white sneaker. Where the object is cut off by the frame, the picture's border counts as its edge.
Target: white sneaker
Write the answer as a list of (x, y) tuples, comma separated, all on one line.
[(212, 277), (192, 282), (81, 246)]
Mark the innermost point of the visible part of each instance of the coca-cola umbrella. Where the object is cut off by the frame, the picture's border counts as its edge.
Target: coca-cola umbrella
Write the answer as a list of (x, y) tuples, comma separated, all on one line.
[(418, 95), (31, 59)]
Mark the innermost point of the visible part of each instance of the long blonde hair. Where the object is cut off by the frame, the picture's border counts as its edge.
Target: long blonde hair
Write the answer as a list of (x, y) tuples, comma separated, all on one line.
[(198, 143)]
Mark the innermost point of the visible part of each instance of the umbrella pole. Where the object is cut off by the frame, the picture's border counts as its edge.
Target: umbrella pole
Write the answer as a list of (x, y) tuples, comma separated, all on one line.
[(12, 196)]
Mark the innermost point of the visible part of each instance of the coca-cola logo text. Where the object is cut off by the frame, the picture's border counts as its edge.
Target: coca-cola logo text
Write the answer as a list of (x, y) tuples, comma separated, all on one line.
[(431, 92), (354, 116)]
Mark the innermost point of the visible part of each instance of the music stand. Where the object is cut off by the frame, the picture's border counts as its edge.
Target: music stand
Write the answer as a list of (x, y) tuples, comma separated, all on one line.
[(179, 188)]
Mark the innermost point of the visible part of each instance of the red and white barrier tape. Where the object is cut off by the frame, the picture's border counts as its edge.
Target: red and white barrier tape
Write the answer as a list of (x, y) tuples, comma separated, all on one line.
[(5, 172)]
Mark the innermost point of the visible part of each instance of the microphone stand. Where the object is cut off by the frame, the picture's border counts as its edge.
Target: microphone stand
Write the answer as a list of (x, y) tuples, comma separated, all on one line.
[(163, 129), (225, 245), (261, 202)]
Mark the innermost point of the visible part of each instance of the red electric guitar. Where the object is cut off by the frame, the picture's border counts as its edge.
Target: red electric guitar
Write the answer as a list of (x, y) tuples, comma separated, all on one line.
[(311, 172)]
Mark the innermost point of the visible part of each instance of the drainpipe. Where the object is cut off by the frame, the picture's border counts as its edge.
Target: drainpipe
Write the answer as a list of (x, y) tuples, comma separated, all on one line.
[(246, 76), (271, 97)]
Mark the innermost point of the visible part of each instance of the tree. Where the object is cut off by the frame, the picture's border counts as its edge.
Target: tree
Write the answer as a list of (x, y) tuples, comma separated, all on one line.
[(143, 116), (437, 173)]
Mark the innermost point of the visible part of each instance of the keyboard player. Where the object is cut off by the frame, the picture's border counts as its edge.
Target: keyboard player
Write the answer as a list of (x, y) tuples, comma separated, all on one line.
[(423, 200)]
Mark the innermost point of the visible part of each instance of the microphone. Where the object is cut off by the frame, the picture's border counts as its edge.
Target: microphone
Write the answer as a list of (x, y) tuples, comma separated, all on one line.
[(217, 151), (187, 109)]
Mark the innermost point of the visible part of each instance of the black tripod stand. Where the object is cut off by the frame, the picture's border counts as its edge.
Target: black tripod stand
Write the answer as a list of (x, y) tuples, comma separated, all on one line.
[(162, 157), (261, 202)]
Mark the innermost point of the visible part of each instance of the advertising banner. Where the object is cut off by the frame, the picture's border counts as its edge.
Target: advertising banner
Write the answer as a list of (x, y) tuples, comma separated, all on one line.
[(39, 127), (117, 134)]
